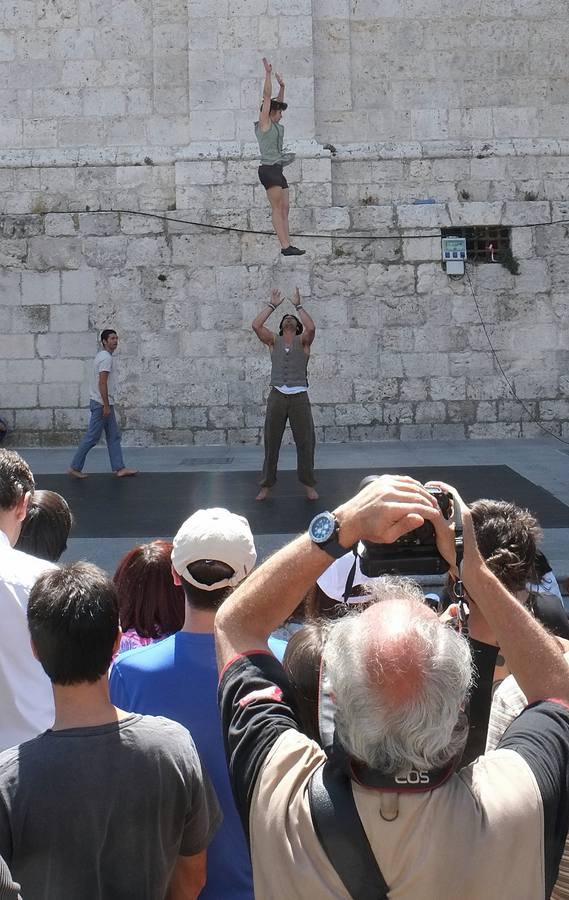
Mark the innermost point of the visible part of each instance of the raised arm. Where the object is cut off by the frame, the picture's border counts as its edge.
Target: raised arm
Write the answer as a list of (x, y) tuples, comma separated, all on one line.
[(309, 327), (383, 511), (533, 656), (258, 324), (264, 118), (281, 93)]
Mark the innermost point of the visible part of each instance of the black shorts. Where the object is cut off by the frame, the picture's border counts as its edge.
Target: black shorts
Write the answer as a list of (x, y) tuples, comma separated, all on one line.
[(272, 176)]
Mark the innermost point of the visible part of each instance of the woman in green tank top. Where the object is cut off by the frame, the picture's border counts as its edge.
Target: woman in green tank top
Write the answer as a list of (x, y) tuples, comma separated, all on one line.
[(270, 136)]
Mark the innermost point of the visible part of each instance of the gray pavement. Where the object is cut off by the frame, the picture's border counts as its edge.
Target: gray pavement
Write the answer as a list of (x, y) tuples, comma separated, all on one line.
[(544, 462)]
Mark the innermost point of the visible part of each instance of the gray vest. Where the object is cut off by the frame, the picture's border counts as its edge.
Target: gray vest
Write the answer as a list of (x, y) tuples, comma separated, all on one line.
[(270, 143), (289, 368)]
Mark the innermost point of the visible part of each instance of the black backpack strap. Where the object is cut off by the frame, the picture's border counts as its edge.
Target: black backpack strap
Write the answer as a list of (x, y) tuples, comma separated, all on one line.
[(341, 834)]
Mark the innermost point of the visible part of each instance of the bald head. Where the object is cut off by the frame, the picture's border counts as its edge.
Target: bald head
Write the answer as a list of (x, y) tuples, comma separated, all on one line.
[(395, 655), (400, 679)]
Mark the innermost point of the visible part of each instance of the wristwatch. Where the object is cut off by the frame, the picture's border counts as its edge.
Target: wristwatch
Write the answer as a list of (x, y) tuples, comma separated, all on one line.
[(324, 531)]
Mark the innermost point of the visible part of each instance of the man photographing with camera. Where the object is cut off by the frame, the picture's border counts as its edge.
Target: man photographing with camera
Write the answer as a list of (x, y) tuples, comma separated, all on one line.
[(392, 794)]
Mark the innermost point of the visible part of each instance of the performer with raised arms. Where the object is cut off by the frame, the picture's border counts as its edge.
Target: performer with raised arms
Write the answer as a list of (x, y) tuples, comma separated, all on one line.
[(288, 399), (270, 136)]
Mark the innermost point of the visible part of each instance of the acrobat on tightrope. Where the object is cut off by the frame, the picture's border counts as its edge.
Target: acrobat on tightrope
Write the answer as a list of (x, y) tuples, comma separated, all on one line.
[(270, 136)]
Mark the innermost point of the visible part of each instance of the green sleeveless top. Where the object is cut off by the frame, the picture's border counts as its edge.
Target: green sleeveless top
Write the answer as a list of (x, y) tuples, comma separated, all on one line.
[(271, 144)]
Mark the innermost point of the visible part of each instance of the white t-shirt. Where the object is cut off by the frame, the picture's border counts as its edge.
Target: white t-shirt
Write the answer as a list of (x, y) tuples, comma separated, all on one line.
[(103, 362), (26, 698)]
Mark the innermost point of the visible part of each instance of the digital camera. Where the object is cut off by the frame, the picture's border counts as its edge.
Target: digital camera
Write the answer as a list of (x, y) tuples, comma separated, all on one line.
[(414, 553)]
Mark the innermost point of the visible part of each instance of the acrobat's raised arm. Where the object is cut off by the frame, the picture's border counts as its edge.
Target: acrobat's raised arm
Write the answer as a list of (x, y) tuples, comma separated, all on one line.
[(264, 118), (258, 325)]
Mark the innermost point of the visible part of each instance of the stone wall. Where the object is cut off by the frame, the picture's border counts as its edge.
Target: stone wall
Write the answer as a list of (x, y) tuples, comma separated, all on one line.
[(121, 119), (400, 351)]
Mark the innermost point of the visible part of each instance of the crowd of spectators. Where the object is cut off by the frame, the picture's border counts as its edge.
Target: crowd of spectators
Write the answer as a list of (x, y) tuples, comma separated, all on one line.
[(198, 727)]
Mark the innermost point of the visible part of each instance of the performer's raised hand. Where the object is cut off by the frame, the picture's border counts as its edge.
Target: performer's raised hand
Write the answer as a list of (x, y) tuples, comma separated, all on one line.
[(280, 79), (268, 67), (295, 299), (276, 298)]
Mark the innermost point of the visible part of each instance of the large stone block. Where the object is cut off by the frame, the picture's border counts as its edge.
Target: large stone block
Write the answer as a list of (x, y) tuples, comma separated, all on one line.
[(18, 396), (31, 319), (71, 370), (16, 346), (22, 371), (54, 253), (58, 394)]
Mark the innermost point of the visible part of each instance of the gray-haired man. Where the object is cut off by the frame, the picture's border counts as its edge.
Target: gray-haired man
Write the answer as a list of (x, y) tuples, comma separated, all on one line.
[(400, 679)]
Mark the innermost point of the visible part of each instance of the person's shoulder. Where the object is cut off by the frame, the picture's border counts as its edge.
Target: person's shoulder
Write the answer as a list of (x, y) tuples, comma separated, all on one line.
[(22, 568), (103, 357), (13, 758), (164, 737), (144, 657)]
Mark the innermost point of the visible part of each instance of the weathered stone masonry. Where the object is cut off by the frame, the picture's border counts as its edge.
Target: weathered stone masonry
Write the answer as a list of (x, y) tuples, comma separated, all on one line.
[(148, 107)]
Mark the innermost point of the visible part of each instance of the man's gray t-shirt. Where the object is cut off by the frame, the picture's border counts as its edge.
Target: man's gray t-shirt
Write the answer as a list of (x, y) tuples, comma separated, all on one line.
[(103, 813)]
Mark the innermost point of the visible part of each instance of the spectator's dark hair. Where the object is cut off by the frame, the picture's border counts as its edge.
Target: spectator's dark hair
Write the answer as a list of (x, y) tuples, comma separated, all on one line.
[(301, 662), (106, 333), (507, 538), (542, 565), (73, 617), (149, 601), (207, 571), (16, 479), (46, 527), (299, 326)]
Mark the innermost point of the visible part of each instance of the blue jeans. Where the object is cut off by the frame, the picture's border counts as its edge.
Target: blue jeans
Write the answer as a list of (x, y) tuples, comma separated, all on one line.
[(94, 432)]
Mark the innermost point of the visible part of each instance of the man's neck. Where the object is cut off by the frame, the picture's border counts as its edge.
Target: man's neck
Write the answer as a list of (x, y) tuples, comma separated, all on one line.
[(84, 705), (198, 621), (9, 526)]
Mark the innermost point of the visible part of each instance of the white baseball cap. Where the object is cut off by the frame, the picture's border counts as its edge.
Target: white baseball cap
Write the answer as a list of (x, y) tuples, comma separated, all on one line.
[(214, 534)]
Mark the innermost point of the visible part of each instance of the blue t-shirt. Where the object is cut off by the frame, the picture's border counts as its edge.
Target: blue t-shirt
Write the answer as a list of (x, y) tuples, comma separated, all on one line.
[(177, 678)]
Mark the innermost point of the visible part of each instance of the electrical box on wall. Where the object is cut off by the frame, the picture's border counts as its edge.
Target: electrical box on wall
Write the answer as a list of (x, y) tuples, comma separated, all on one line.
[(454, 254)]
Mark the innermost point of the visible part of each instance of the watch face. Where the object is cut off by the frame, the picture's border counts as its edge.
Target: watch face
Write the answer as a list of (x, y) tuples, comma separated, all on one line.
[(322, 527)]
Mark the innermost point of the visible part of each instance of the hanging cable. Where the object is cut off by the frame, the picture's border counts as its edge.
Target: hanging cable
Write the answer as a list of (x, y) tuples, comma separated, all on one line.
[(502, 371), (233, 228)]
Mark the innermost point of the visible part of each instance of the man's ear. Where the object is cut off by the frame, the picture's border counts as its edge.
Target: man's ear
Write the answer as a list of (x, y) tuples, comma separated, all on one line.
[(34, 651), (21, 508), (177, 578), (117, 642)]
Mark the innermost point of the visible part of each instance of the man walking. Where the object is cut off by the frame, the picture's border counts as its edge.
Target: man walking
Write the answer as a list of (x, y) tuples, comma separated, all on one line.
[(105, 804), (177, 677), (288, 399), (102, 406)]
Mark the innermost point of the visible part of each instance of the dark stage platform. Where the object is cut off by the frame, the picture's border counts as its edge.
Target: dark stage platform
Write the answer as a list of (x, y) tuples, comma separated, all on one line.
[(154, 503)]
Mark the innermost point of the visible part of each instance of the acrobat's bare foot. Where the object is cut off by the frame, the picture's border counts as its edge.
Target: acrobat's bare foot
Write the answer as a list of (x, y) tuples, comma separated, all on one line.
[(311, 494), (263, 494), (126, 473), (75, 473)]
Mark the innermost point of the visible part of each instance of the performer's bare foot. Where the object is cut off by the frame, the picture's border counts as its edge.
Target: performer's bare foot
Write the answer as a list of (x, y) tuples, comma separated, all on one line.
[(310, 493), (126, 473), (75, 473), (263, 494)]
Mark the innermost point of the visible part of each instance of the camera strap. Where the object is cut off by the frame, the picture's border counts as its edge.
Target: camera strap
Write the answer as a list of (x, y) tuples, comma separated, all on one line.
[(341, 834), (458, 586)]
